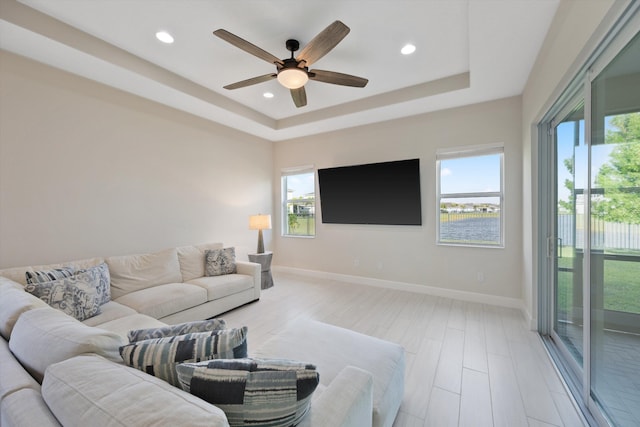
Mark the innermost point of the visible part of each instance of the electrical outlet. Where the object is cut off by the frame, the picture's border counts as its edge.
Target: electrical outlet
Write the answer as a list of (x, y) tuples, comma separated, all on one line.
[(480, 276), (356, 262), (380, 265)]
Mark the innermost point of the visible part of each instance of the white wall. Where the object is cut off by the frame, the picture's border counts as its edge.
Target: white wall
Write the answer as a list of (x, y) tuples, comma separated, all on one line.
[(86, 170), (409, 254), (573, 26)]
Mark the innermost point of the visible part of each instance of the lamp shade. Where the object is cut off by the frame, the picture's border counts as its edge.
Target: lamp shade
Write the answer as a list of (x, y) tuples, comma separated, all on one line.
[(260, 222)]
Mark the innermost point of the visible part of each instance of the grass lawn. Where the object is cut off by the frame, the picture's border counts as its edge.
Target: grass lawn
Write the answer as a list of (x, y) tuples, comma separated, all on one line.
[(304, 227), (621, 284)]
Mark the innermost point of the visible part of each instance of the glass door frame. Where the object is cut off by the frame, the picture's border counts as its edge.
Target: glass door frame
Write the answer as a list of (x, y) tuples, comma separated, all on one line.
[(621, 31)]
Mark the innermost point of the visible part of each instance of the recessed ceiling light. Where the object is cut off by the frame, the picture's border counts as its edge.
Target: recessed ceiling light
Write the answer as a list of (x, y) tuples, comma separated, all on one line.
[(164, 37), (408, 49), (267, 95)]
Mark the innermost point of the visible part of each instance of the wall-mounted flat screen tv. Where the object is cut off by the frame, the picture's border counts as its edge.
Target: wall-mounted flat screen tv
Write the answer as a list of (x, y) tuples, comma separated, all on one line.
[(375, 193)]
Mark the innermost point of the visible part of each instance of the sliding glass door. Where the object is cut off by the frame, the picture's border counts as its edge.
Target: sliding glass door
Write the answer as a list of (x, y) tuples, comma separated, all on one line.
[(591, 234), (567, 243), (614, 282)]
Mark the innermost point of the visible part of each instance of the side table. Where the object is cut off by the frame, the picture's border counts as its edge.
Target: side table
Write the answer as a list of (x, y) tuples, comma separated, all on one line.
[(265, 261)]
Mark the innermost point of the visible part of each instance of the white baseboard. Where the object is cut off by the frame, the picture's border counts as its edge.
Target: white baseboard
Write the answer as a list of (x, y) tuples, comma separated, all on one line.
[(411, 287)]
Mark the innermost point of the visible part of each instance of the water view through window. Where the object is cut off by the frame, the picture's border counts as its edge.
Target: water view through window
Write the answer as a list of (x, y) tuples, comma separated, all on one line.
[(470, 199)]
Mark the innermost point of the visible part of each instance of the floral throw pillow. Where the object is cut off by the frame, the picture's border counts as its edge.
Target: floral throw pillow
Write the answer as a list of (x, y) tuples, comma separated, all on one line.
[(76, 296), (100, 276), (220, 261)]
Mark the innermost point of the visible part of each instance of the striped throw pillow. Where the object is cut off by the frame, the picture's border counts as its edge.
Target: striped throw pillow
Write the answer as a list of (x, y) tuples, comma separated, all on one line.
[(256, 392), (160, 356), (175, 330), (49, 275)]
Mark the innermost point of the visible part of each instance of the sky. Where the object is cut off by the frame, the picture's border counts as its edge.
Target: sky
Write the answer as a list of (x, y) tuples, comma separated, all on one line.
[(301, 184), (470, 174), (565, 150)]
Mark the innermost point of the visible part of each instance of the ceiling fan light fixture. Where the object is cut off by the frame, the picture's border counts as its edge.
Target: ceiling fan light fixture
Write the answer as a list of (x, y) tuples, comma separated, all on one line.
[(293, 78)]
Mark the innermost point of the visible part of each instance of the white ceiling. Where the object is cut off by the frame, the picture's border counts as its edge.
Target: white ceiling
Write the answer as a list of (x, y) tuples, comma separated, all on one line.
[(468, 51)]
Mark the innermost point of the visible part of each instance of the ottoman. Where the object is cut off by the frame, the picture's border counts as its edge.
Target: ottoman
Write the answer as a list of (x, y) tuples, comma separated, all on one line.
[(332, 348)]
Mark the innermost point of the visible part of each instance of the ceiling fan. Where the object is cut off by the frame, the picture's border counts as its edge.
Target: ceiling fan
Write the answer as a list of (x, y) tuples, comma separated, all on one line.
[(293, 73)]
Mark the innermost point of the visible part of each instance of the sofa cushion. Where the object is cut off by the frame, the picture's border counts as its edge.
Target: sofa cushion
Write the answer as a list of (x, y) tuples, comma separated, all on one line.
[(191, 260), (13, 377), (222, 286), (163, 300), (44, 336), (160, 356), (76, 296), (253, 391), (88, 390), (123, 325), (26, 407), (49, 275), (6, 283), (14, 302), (131, 273), (100, 275), (175, 330), (220, 261), (108, 312)]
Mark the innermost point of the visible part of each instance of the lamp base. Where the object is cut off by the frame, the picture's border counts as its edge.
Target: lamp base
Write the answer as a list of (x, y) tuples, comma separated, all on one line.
[(260, 243)]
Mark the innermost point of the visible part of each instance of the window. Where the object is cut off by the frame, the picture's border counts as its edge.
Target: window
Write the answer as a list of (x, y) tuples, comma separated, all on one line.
[(299, 202), (470, 197)]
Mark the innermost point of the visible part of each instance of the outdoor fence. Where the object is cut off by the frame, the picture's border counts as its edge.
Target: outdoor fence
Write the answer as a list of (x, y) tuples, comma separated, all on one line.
[(605, 235)]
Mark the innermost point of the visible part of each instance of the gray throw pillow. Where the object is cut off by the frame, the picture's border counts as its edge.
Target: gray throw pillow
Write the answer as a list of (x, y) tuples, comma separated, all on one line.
[(159, 357), (76, 296), (220, 261), (175, 330), (265, 392)]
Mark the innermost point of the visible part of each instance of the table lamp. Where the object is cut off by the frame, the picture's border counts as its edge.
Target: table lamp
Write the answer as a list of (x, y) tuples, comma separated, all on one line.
[(260, 222)]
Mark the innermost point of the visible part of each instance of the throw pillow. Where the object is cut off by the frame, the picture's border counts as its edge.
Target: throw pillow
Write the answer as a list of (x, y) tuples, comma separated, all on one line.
[(160, 356), (48, 275), (267, 392), (100, 276), (179, 329), (76, 296), (220, 261)]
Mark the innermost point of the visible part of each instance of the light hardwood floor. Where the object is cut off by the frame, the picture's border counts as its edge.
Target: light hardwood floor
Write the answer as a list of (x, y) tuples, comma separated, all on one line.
[(468, 364)]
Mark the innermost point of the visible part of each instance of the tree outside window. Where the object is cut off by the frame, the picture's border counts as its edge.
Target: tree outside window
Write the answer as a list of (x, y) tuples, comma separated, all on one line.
[(299, 203)]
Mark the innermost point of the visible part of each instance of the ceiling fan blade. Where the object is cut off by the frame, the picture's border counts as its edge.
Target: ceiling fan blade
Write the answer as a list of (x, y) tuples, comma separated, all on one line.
[(247, 47), (337, 78), (321, 44), (251, 81), (299, 97)]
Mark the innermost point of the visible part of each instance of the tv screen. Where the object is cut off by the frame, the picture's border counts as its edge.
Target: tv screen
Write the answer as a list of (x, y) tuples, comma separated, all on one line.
[(376, 193)]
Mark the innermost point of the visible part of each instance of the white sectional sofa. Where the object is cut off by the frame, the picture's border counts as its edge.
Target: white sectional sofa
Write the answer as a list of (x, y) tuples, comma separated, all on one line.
[(56, 370), (169, 286)]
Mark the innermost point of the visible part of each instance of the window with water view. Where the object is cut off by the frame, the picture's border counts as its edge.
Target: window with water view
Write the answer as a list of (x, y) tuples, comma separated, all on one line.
[(470, 197)]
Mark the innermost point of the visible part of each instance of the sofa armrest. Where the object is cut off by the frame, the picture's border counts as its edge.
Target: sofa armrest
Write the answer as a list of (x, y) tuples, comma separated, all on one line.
[(346, 402), (251, 269)]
